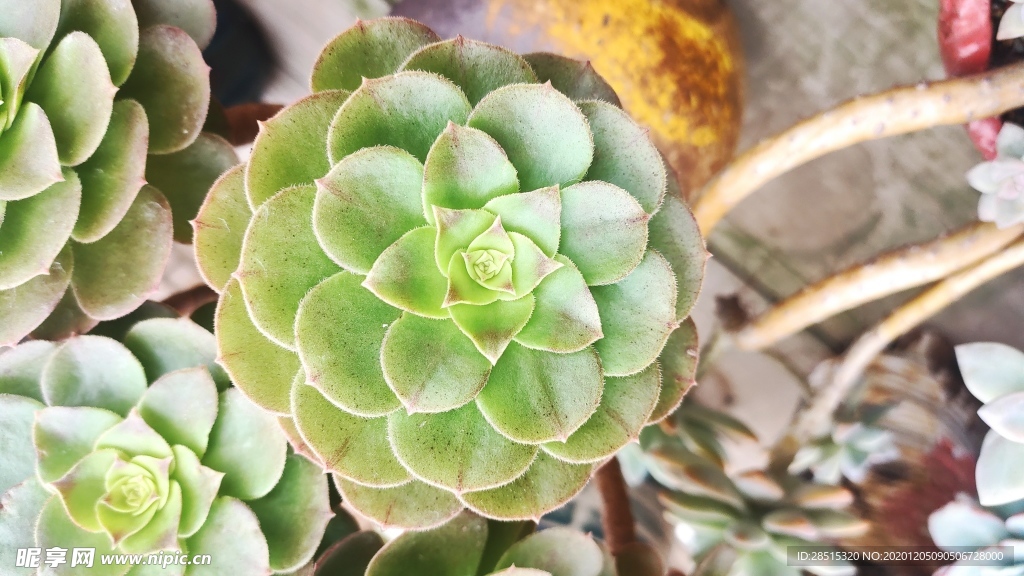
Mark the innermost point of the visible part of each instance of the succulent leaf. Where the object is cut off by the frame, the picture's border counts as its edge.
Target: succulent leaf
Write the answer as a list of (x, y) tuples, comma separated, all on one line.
[(113, 24), (195, 17), (408, 110), (476, 67), (281, 262), (547, 484), (558, 550), (79, 374), (114, 174), (247, 445), (199, 486), (577, 80), (366, 203), (63, 436), (258, 366), (28, 155), (604, 231), (165, 345), (36, 230), (476, 458), (565, 318), (998, 470), (25, 307), (431, 365), (231, 530), (464, 170), (185, 177), (678, 370), (182, 407), (635, 328), (34, 24), (116, 273), (990, 369), (454, 548), (411, 504), (21, 369), (289, 149), (73, 87), (219, 228), (370, 49), (294, 514), (543, 133), (16, 416), (534, 397), (626, 403), (339, 314), (637, 168), (172, 83), (354, 448)]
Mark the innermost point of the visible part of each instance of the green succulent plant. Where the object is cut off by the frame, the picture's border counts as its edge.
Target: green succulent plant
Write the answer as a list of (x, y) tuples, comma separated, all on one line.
[(457, 280), (741, 525), (1001, 181), (854, 445), (97, 98), (141, 447), (468, 545), (994, 374), (965, 524)]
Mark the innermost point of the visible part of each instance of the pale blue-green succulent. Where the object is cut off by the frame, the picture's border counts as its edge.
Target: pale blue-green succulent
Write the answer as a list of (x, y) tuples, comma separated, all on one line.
[(964, 525), (1001, 181), (994, 374)]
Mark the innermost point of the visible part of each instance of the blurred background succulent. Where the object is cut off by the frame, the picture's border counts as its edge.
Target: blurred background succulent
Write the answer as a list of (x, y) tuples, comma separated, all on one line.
[(994, 374), (741, 524), (142, 446), (454, 277), (469, 545), (1011, 25), (1001, 180), (963, 524), (97, 99), (855, 444)]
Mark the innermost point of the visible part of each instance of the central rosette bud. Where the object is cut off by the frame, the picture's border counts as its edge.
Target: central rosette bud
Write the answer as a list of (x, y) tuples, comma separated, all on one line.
[(484, 264), (132, 493)]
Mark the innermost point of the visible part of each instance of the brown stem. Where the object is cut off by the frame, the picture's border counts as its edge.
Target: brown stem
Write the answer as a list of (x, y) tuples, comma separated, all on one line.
[(188, 301), (896, 111), (813, 421), (888, 274), (244, 120), (619, 527)]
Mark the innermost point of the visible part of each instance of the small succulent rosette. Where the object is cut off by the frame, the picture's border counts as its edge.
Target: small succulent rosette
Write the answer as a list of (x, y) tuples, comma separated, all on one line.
[(742, 524), (963, 524), (468, 545), (458, 271), (994, 374), (142, 447), (855, 444), (1001, 181), (97, 99)]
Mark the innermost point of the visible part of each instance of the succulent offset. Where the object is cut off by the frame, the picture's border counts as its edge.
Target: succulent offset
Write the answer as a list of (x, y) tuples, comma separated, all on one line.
[(459, 271), (97, 98), (142, 447), (963, 525), (994, 374), (854, 445), (1001, 181), (468, 545)]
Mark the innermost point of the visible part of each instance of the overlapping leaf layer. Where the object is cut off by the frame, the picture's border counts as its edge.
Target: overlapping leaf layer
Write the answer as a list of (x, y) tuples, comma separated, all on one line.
[(97, 98), (464, 288)]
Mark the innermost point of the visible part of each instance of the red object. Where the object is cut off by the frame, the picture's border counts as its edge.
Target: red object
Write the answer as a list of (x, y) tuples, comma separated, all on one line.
[(965, 43)]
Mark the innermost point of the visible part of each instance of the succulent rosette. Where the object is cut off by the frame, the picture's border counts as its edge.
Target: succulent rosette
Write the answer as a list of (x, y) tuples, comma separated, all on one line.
[(468, 545), (1001, 180), (854, 445), (994, 374), (96, 98), (964, 525), (142, 447), (458, 274)]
